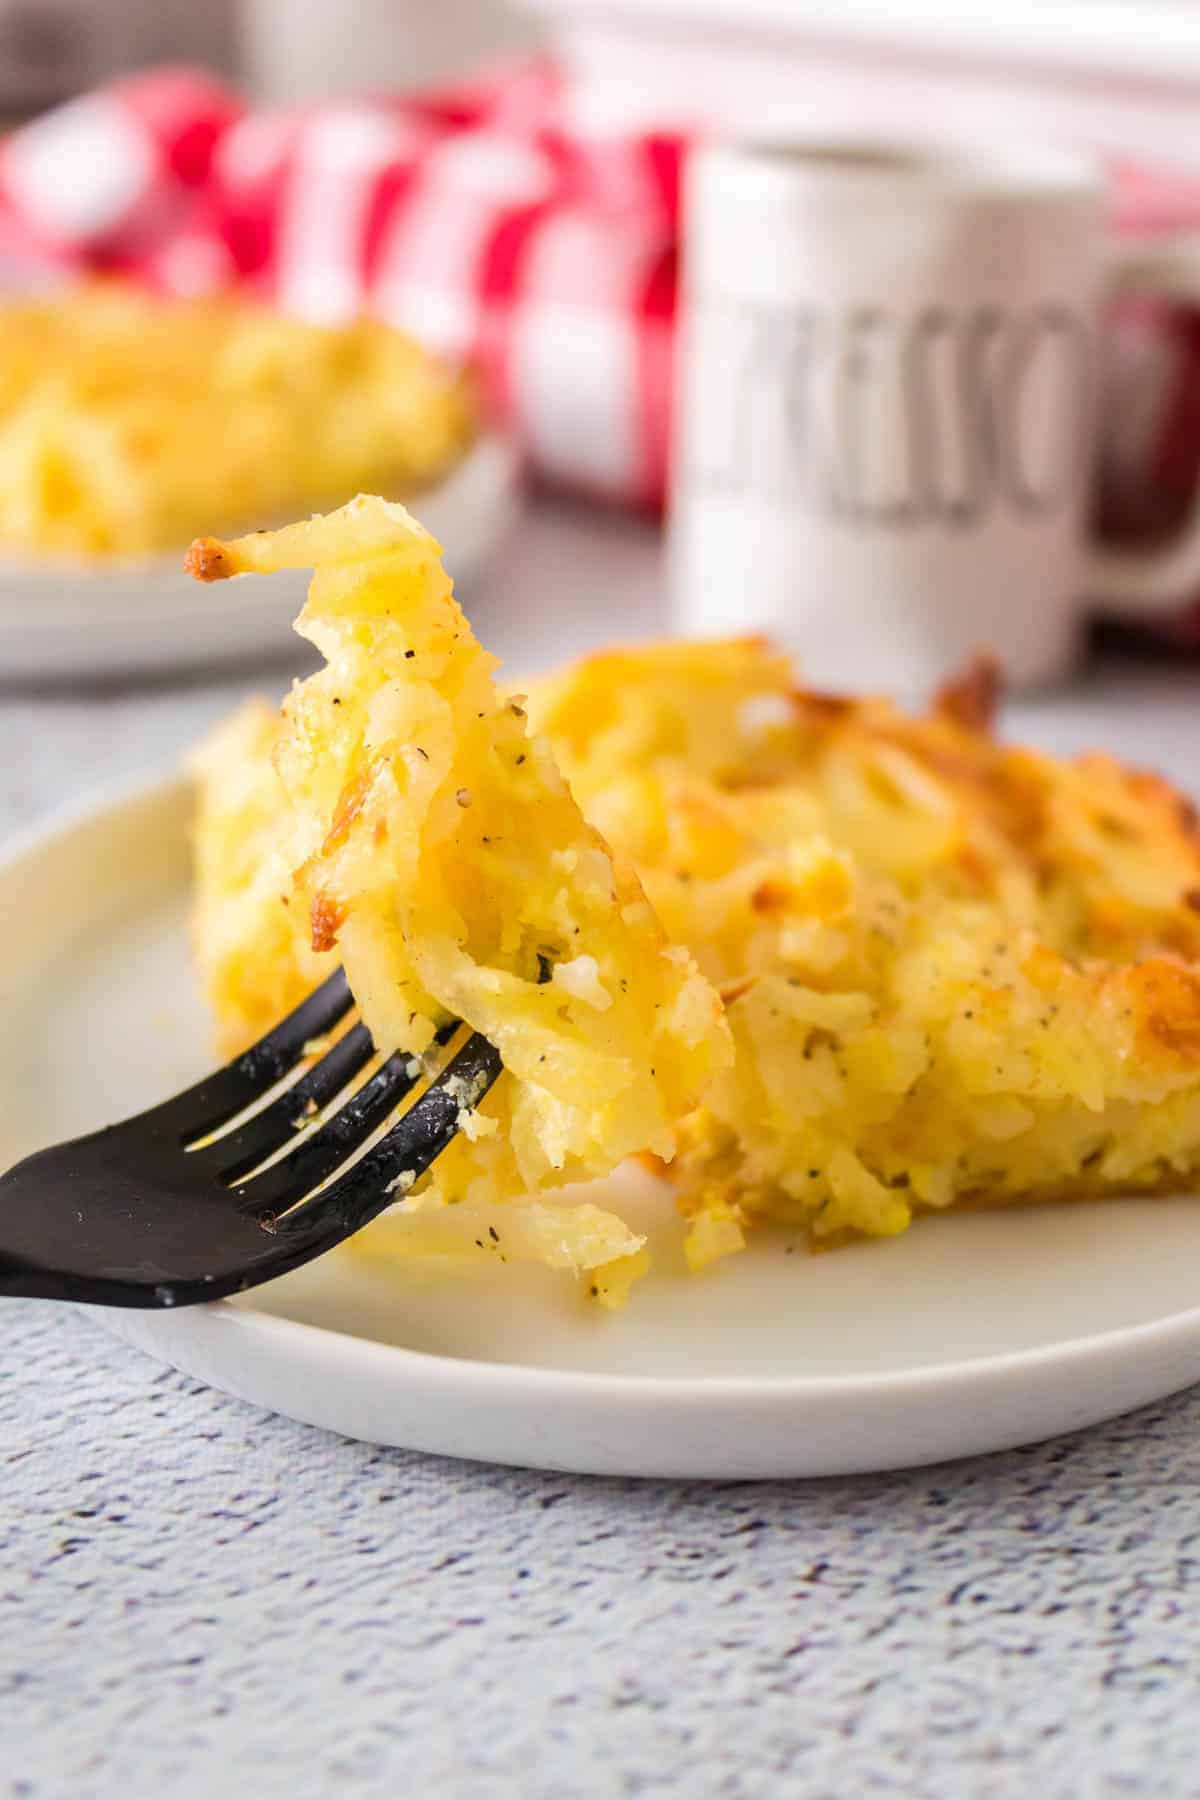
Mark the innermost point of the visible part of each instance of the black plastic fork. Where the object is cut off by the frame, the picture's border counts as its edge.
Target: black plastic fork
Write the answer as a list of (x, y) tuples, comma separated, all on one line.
[(192, 1200)]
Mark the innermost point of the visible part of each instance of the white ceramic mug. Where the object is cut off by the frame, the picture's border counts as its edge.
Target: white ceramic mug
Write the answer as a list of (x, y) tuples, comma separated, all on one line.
[(887, 394)]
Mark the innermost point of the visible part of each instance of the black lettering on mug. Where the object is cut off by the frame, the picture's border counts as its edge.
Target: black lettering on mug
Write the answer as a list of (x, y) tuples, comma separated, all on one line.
[(869, 383), (1050, 343), (951, 419), (894, 420)]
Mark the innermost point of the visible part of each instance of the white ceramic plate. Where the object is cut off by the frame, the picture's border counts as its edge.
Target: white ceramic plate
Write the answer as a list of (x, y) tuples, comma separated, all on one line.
[(969, 1334), (62, 622)]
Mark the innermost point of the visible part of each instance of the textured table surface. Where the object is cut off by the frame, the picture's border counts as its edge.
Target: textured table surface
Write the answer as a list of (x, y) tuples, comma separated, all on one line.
[(198, 1600)]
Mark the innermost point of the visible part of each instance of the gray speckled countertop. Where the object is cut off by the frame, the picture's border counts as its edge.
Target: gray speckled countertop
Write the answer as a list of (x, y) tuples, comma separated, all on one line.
[(199, 1600)]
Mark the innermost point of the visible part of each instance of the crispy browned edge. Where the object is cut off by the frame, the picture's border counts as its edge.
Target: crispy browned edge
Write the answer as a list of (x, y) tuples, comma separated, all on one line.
[(208, 559), (972, 697)]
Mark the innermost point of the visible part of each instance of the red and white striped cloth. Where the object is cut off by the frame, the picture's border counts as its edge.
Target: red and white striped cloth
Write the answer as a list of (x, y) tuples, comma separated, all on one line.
[(500, 220), (483, 218)]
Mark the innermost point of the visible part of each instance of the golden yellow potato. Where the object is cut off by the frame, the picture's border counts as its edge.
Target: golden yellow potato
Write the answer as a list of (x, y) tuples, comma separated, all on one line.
[(955, 970), (128, 422), (401, 817)]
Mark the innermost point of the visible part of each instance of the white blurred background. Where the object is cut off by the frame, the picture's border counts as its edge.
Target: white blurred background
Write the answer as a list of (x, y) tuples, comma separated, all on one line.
[(1121, 73)]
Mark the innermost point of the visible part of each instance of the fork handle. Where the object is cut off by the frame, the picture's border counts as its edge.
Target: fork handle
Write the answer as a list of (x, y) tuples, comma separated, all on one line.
[(21, 1281)]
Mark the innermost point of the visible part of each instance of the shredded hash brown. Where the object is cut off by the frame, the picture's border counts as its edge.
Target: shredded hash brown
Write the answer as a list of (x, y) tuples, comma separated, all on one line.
[(129, 422), (400, 816), (955, 971)]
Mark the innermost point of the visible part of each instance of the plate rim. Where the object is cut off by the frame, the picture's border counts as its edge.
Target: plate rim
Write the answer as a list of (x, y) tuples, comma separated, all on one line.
[(169, 787), (735, 1389)]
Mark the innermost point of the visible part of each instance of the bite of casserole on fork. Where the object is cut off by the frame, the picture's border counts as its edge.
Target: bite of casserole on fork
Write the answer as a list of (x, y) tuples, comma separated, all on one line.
[(399, 816)]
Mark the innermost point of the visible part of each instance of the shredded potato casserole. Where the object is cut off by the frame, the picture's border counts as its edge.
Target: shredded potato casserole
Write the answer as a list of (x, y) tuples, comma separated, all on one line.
[(129, 422), (826, 964)]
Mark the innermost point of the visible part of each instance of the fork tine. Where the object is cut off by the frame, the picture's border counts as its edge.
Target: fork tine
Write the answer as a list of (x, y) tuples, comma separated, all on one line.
[(369, 1188), (233, 1156), (219, 1096), (317, 1157)]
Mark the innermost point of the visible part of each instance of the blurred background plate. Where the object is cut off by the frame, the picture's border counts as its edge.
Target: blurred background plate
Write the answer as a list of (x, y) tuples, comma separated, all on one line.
[(58, 622)]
